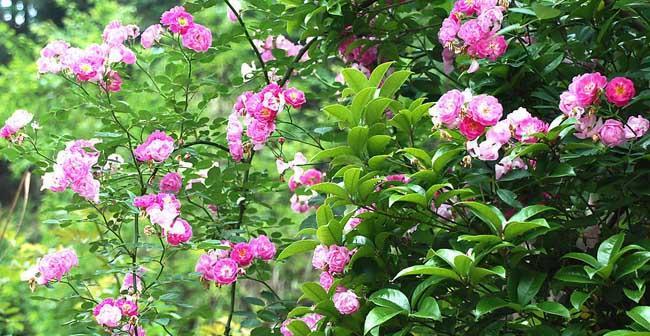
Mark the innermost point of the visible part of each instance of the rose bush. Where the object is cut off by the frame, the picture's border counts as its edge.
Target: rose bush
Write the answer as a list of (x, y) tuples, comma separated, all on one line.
[(487, 179)]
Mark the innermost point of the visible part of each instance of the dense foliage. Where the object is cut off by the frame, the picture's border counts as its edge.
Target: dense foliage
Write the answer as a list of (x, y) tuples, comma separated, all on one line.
[(476, 168)]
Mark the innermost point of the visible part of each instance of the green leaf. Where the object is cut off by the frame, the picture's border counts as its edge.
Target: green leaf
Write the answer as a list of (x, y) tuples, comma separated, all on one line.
[(394, 82), (591, 261), (641, 315), (515, 229), (554, 308), (488, 214), (609, 248), (492, 303), (390, 298), (428, 309), (355, 79), (378, 316), (545, 12), (428, 270), (314, 292), (332, 152), (377, 144), (339, 112), (578, 298), (296, 247), (528, 212), (330, 188), (443, 156), (632, 263), (574, 274), (299, 328), (378, 74), (509, 198), (409, 198), (529, 284), (562, 170), (357, 139), (330, 234), (627, 333)]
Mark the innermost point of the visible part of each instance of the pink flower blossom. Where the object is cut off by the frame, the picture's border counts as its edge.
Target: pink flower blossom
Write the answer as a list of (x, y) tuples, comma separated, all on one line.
[(232, 16), (243, 254), (507, 164), (151, 36), (311, 177), (205, 264), (619, 91), (73, 169), (612, 133), (53, 266), (177, 20), (179, 232), (131, 330), (259, 132), (587, 87), (115, 34), (156, 148), (485, 151), (448, 107), (127, 282), (337, 258), (364, 54), (128, 307), (225, 271), (467, 7), (263, 248), (164, 210), (448, 30), (636, 127), (113, 82), (107, 313), (569, 105), (354, 221), (470, 128), (171, 183), (294, 97), (492, 47), (471, 32), (444, 210), (525, 129), (588, 126), (326, 280), (485, 110), (499, 133), (346, 302), (517, 116), (18, 120), (319, 260), (197, 38), (300, 203)]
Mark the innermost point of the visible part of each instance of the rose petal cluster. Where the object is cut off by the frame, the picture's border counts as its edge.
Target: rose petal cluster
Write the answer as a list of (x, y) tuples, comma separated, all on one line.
[(300, 178), (96, 62), (471, 29), (256, 113), (128, 283), (115, 313), (346, 301), (271, 43), (311, 320), (331, 260), (582, 101), (51, 267), (171, 183), (73, 169), (364, 54), (18, 120), (223, 266), (164, 210), (157, 148)]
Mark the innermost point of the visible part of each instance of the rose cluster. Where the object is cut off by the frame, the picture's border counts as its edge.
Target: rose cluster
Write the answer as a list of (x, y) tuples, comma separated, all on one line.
[(52, 267), (164, 210), (73, 168), (471, 29), (364, 56), (311, 320), (582, 101), (259, 112), (94, 63), (267, 46), (224, 266), (332, 261), (300, 177), (18, 120), (478, 115), (157, 148), (178, 21), (116, 315)]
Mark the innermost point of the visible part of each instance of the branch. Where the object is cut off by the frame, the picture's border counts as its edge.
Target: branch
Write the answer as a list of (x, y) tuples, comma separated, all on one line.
[(250, 40), (300, 54), (207, 143)]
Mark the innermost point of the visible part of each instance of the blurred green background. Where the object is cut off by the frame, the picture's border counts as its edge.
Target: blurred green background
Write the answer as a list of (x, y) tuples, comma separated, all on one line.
[(30, 226)]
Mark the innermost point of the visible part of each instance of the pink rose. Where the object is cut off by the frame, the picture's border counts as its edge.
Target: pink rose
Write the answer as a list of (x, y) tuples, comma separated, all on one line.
[(337, 258), (485, 110), (259, 132), (485, 151), (151, 36), (499, 133), (467, 7), (470, 128), (197, 38), (225, 271), (525, 129), (128, 307), (300, 203), (115, 34), (326, 280), (205, 264), (177, 20), (588, 126), (448, 107), (471, 32), (107, 313), (507, 164), (179, 232), (171, 183), (492, 47), (587, 87), (636, 127), (448, 30), (612, 133), (620, 91), (156, 148), (243, 254), (569, 105), (311, 177), (319, 260), (263, 248), (294, 97), (346, 302)]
